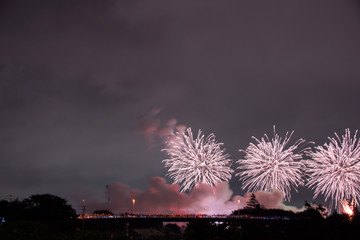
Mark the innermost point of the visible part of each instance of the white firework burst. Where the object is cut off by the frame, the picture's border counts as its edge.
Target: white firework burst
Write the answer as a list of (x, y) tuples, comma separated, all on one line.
[(270, 165), (334, 169), (194, 161)]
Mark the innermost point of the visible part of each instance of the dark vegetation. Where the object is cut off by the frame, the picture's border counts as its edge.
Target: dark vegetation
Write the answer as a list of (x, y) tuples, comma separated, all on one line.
[(103, 212), (41, 217), (50, 217)]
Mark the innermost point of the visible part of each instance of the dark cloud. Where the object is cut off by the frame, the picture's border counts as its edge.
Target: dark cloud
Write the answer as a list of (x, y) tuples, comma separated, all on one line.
[(75, 77)]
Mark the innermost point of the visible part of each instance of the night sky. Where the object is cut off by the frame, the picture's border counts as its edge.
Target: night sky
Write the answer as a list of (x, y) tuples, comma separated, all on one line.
[(88, 87)]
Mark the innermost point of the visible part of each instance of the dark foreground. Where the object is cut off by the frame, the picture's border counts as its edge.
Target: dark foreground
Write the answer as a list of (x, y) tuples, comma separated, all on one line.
[(335, 227), (47, 217)]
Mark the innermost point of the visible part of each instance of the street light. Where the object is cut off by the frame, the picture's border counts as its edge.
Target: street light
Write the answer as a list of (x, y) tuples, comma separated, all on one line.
[(178, 202), (133, 204), (83, 215)]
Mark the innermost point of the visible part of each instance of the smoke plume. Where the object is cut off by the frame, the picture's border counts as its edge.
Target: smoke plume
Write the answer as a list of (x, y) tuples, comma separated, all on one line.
[(161, 197), (155, 132)]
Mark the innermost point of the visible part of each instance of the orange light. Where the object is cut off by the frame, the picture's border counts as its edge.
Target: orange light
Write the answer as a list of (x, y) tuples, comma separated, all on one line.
[(347, 208)]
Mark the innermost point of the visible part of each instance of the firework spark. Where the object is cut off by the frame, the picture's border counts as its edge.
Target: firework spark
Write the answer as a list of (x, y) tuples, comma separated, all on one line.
[(194, 161), (334, 169), (268, 165)]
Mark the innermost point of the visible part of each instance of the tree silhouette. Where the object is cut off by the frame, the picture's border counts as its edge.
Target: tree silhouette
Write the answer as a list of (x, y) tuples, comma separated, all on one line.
[(47, 207), (14, 210), (253, 203), (103, 212), (312, 212), (38, 217)]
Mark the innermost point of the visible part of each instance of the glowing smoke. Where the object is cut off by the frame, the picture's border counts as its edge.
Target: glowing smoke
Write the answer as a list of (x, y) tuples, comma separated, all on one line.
[(155, 133), (166, 198)]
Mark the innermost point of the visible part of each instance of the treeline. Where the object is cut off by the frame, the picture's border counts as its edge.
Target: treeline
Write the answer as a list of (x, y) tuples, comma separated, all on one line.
[(310, 212), (254, 209), (50, 217), (41, 217), (311, 223)]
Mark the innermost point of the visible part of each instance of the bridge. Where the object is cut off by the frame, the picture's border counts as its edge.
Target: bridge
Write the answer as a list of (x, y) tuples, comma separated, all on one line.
[(177, 218)]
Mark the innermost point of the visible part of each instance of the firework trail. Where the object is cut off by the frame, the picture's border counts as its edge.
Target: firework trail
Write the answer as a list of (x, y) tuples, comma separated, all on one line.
[(268, 165), (334, 169), (193, 161)]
